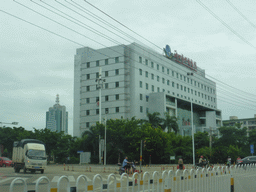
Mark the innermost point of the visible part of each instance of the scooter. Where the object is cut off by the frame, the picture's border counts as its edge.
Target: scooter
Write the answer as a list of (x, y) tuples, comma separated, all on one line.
[(121, 169)]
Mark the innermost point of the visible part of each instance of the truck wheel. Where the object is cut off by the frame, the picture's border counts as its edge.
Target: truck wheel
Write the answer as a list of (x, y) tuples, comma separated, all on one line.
[(42, 171)]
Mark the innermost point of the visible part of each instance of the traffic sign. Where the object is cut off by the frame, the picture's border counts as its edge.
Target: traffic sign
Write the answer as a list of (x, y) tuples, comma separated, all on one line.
[(252, 149)]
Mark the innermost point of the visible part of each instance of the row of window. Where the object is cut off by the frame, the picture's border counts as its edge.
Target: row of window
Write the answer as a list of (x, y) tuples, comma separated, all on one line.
[(106, 111), (88, 76), (88, 88), (181, 87), (179, 76), (88, 100), (106, 62)]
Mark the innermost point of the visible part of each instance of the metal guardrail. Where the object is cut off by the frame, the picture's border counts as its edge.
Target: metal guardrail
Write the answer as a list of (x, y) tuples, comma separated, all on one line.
[(219, 178)]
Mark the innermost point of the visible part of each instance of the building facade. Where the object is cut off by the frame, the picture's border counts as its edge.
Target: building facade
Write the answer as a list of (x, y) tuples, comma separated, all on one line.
[(57, 118), (139, 80), (249, 123)]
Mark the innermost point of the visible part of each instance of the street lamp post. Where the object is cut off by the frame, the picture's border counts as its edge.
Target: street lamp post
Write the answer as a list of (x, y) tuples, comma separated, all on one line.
[(100, 82), (13, 123), (192, 124)]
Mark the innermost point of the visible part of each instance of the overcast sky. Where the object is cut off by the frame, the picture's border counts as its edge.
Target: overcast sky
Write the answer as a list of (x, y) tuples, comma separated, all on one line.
[(36, 64)]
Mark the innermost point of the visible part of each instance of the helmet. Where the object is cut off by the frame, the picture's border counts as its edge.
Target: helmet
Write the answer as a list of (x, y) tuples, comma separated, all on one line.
[(201, 156)]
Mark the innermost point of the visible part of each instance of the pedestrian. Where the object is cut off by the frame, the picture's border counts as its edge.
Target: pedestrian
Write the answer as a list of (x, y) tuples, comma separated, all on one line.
[(180, 162), (229, 161), (238, 159)]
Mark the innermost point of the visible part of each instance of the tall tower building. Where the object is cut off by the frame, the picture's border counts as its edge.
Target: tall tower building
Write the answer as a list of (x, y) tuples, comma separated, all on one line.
[(57, 118)]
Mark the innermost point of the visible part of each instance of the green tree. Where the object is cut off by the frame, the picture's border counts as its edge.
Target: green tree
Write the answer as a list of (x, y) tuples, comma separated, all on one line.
[(154, 119), (170, 122)]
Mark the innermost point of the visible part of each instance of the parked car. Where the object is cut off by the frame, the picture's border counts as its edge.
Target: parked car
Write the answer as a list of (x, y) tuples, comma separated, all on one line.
[(247, 160), (5, 162)]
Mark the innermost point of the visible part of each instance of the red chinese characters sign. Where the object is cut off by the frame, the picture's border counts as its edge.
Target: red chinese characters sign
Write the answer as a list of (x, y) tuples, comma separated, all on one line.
[(184, 61)]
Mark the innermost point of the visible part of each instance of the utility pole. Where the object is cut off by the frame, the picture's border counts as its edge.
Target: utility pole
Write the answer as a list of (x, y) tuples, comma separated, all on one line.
[(210, 138), (140, 154), (99, 86)]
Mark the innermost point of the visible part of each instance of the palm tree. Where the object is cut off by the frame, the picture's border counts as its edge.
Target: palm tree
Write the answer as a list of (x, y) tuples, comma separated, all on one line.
[(170, 122), (154, 119)]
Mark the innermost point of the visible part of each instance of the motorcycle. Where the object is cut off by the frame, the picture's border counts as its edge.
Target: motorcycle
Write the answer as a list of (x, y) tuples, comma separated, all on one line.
[(121, 169), (204, 164)]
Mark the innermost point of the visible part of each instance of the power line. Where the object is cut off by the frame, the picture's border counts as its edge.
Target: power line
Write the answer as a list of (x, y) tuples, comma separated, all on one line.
[(41, 27), (240, 13), (106, 55), (225, 24)]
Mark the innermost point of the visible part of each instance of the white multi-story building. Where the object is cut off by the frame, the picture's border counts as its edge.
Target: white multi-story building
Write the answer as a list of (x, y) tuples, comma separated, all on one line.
[(139, 80)]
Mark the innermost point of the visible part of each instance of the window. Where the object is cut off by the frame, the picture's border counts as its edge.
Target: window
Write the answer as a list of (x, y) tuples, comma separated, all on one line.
[(141, 109), (195, 92), (172, 73), (97, 99), (163, 90), (97, 111), (163, 69), (177, 86), (208, 97), (88, 76), (97, 63), (188, 90), (117, 109), (146, 110), (195, 83), (185, 88), (168, 71), (87, 100), (140, 71), (173, 84), (117, 71), (140, 84), (168, 82), (88, 64), (152, 76), (153, 88), (188, 80), (141, 96), (106, 85), (158, 89), (184, 78), (202, 86), (87, 124), (198, 84), (181, 87), (87, 88), (140, 59), (97, 75), (106, 98), (198, 94), (152, 64), (117, 60), (146, 61), (106, 73), (87, 112), (106, 61), (177, 75), (191, 81), (106, 110), (146, 74), (191, 91), (146, 86), (117, 96), (157, 67), (205, 96), (147, 98), (117, 84), (208, 89), (163, 80), (202, 95), (214, 100), (180, 77), (158, 78), (205, 88)]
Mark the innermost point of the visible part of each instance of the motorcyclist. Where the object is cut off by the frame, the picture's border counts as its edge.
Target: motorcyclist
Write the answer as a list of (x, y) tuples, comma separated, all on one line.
[(126, 164)]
